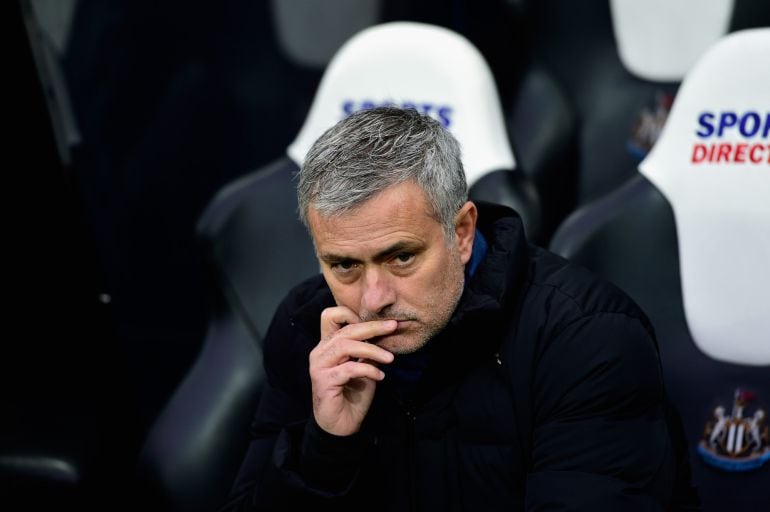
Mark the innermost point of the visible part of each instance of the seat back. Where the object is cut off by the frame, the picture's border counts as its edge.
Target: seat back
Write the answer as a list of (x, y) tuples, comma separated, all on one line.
[(689, 240), (62, 378), (430, 68), (616, 66), (712, 164), (439, 73), (660, 41)]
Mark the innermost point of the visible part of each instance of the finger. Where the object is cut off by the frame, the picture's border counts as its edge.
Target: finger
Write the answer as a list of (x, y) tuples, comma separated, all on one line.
[(327, 355), (335, 318), (344, 373), (364, 331)]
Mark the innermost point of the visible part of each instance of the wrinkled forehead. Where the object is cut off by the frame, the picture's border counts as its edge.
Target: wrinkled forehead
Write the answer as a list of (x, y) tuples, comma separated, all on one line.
[(401, 208)]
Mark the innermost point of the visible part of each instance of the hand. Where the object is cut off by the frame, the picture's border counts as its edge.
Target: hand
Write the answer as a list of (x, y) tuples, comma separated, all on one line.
[(343, 369)]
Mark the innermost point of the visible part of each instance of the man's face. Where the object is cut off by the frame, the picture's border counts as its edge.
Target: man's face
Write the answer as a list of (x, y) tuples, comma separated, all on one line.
[(389, 259)]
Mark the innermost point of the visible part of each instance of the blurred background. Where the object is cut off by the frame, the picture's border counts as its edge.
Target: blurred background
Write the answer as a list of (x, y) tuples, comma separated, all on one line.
[(124, 120)]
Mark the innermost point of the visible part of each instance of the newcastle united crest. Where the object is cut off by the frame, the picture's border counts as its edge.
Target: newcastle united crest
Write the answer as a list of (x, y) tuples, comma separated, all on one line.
[(737, 441)]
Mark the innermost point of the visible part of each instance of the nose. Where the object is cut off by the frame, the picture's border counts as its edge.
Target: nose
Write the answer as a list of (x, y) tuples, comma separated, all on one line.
[(378, 293)]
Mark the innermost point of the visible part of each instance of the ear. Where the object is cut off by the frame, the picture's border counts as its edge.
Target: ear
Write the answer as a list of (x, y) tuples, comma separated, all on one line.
[(465, 230)]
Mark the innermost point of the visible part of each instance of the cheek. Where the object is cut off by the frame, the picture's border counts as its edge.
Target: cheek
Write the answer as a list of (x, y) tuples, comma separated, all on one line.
[(344, 295), (348, 298), (435, 281)]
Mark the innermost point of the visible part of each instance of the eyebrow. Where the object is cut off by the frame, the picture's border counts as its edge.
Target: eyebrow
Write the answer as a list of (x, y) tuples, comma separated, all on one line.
[(383, 254)]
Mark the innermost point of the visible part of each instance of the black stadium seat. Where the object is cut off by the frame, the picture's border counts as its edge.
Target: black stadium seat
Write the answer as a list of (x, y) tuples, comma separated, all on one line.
[(260, 249), (62, 380)]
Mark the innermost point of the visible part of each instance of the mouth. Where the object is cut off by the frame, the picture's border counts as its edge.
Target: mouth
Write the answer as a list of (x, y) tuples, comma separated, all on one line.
[(403, 326)]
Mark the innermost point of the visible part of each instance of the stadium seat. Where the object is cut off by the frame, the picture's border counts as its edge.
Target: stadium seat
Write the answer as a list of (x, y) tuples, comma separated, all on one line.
[(688, 237), (259, 249), (408, 64), (603, 77), (62, 384)]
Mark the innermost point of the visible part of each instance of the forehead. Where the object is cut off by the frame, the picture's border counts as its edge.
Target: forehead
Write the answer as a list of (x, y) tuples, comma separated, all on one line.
[(398, 213)]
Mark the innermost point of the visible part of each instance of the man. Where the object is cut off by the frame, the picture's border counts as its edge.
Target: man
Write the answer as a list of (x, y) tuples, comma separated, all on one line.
[(441, 362)]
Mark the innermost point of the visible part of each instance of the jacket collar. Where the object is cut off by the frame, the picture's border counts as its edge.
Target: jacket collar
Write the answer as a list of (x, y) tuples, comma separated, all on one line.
[(487, 307), (499, 278)]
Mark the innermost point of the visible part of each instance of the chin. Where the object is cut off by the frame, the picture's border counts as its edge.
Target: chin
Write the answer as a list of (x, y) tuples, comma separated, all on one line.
[(401, 344)]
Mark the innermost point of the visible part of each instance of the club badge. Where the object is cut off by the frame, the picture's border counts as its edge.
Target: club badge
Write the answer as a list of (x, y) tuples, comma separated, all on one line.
[(738, 441)]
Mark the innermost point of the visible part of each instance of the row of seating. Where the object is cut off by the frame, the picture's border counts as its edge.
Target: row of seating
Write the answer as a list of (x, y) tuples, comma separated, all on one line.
[(688, 237), (629, 236), (545, 134)]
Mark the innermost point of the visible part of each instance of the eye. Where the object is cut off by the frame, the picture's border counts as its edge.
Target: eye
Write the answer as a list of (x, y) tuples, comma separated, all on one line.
[(344, 266), (403, 259)]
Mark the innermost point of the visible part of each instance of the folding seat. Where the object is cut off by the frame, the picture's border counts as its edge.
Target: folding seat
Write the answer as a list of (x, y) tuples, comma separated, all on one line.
[(259, 249), (603, 77), (61, 381), (688, 237), (173, 100)]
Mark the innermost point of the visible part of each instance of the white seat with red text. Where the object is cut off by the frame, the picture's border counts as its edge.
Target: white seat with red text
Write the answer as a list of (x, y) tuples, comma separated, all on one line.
[(689, 239), (603, 77)]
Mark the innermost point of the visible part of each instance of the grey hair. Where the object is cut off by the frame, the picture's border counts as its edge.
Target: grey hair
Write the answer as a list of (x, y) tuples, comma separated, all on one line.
[(374, 149)]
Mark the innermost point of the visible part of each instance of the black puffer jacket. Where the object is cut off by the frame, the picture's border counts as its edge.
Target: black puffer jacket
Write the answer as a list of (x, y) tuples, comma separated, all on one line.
[(544, 392)]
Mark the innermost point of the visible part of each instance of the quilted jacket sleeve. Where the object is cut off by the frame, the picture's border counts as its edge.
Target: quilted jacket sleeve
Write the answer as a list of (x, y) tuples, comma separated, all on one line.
[(600, 438)]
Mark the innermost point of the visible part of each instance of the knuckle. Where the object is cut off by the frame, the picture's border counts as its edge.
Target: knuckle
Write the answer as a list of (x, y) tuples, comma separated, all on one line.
[(332, 350)]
